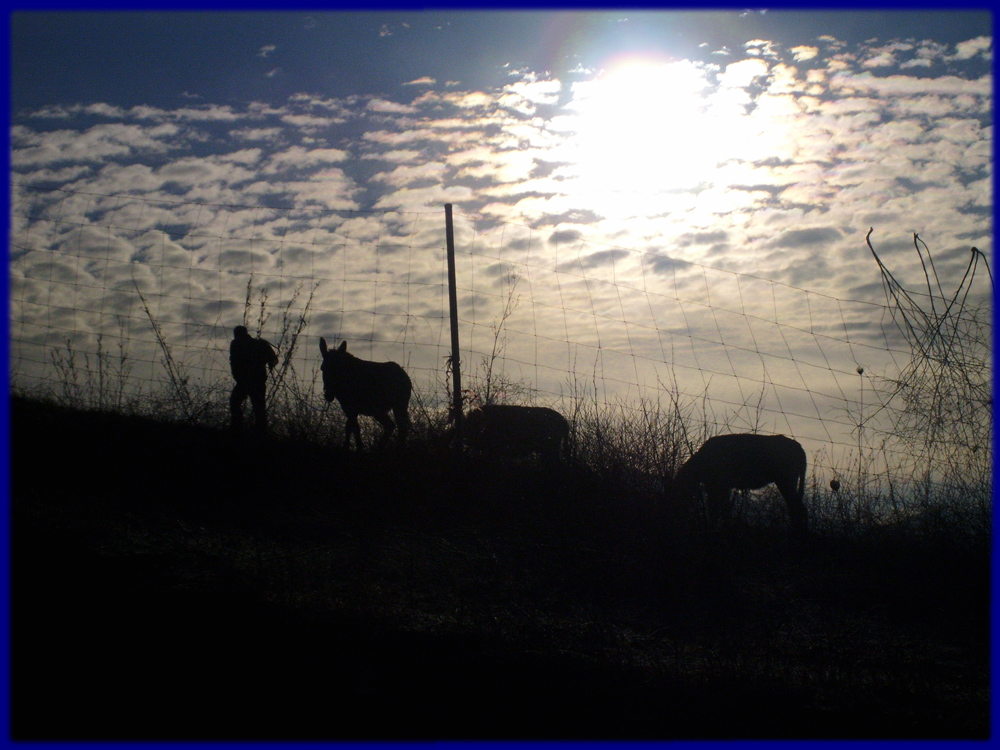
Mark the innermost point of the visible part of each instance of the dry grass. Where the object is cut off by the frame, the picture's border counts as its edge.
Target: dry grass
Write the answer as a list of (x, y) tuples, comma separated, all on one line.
[(285, 589)]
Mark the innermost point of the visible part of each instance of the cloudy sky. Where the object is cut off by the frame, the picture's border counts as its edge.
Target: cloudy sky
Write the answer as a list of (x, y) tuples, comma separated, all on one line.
[(665, 195)]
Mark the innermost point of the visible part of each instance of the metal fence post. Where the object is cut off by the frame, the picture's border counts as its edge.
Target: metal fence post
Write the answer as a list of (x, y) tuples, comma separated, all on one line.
[(456, 369)]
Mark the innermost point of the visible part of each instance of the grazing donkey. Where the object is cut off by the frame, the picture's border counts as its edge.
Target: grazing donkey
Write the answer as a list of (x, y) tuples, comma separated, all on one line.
[(516, 430), (745, 462), (370, 388)]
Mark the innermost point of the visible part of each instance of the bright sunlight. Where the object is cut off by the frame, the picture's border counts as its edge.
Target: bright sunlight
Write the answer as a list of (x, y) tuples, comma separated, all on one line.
[(645, 127)]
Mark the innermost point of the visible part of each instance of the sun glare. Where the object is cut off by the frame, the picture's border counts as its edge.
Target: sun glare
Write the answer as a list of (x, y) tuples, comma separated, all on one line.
[(644, 127)]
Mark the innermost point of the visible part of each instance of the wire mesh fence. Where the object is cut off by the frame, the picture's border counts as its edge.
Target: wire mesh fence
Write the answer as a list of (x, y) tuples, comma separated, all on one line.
[(122, 298)]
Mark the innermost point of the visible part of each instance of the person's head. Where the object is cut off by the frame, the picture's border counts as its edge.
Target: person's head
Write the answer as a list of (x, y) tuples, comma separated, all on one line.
[(240, 332)]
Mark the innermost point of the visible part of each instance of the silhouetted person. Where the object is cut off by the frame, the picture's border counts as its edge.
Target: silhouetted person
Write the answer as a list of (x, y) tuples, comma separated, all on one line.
[(249, 360)]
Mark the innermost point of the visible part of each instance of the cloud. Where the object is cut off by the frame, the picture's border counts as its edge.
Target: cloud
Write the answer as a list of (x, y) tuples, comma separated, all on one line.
[(398, 156), (419, 198), (388, 107), (299, 157), (603, 258), (204, 113), (247, 156), (565, 236), (804, 148), (391, 138), (701, 238), (330, 188), (257, 134), (740, 74), (191, 174), (806, 238), (761, 48), (915, 63), (460, 99), (545, 91), (94, 145), (64, 176), (881, 60), (803, 53), (308, 123), (899, 85), (663, 264), (973, 47), (104, 110), (113, 179), (412, 175), (266, 50)]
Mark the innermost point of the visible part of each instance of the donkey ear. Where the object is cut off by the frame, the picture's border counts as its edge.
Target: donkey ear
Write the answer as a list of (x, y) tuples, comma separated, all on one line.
[(322, 346), (343, 347)]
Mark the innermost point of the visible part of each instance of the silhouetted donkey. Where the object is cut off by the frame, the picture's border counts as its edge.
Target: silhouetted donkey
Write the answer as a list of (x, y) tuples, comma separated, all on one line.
[(745, 462), (513, 430), (370, 388)]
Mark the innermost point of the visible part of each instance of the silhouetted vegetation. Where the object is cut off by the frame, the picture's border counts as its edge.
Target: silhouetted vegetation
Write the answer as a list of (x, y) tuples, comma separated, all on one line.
[(173, 580)]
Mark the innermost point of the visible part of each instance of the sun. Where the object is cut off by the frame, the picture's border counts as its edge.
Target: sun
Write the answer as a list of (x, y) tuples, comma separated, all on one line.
[(645, 127)]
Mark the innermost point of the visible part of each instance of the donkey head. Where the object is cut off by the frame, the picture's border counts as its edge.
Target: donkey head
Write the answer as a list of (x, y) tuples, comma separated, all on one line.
[(332, 367)]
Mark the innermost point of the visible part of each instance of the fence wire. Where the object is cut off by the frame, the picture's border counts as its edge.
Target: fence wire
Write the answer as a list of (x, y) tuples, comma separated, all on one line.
[(138, 293)]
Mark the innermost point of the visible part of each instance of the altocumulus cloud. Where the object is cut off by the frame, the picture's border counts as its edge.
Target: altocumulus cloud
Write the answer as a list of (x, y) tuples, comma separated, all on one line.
[(770, 161)]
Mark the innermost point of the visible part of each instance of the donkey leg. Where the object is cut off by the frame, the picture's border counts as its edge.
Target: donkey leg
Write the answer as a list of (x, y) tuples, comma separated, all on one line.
[(388, 427), (352, 428), (720, 506), (550, 452), (403, 422), (793, 492)]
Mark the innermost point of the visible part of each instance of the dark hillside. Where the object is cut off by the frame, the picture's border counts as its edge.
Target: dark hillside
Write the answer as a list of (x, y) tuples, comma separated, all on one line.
[(171, 581)]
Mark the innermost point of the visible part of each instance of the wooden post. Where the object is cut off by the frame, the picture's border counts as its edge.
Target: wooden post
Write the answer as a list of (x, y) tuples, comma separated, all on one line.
[(456, 369)]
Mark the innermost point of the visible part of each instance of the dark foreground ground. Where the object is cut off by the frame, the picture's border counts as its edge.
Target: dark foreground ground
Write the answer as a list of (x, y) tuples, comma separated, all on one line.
[(171, 582)]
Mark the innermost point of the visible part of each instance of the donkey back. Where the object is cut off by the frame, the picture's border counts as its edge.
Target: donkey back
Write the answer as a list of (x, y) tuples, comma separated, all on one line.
[(516, 430)]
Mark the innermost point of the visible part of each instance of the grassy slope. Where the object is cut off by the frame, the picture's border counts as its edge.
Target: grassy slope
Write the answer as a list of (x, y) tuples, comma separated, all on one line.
[(176, 582)]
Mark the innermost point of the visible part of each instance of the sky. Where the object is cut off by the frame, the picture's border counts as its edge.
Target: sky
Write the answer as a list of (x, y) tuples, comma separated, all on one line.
[(687, 189)]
